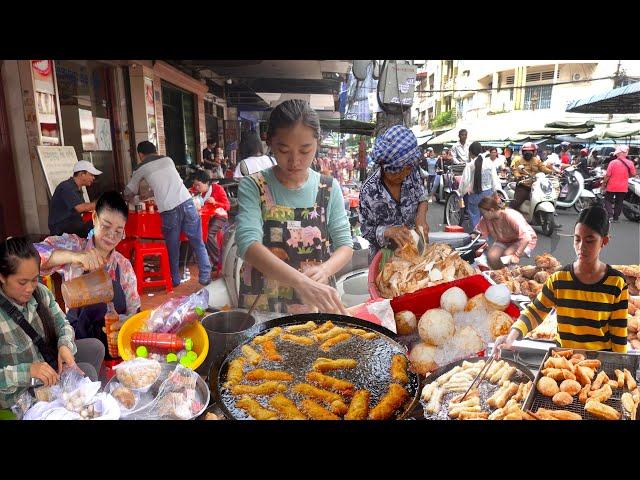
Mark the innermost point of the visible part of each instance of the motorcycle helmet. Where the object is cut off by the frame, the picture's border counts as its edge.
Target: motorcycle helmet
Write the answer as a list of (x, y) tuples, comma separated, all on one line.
[(584, 152), (529, 146)]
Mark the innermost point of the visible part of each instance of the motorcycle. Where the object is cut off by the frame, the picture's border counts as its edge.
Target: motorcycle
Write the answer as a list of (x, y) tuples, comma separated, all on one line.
[(631, 205), (573, 193), (449, 181), (541, 205)]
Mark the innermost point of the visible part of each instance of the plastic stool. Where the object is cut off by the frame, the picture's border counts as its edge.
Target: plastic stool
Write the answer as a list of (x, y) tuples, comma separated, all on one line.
[(126, 246), (453, 228), (142, 250)]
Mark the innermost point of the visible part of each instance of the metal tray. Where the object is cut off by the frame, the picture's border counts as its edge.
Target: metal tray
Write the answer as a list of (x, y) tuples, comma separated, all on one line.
[(610, 361), (372, 373), (487, 389)]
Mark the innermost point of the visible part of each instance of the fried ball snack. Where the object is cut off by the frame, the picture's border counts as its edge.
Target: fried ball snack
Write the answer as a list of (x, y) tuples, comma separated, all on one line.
[(310, 325), (286, 408), (571, 387), (601, 410), (262, 374), (325, 327), (331, 383), (327, 364), (234, 373), (256, 410), (562, 398), (287, 337), (584, 393), (266, 388), (593, 364), (332, 342), (252, 356), (631, 382), (316, 411), (399, 369), (316, 393), (547, 386), (620, 378), (563, 353), (359, 406), (270, 335), (323, 337), (390, 402), (270, 352)]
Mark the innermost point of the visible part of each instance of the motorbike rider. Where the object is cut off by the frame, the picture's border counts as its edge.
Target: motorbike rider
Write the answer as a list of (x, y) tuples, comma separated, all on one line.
[(582, 163), (526, 165)]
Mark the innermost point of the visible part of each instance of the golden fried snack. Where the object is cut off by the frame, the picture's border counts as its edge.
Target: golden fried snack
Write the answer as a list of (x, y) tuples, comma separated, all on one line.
[(270, 352), (325, 327), (256, 410), (584, 393), (234, 374), (582, 375), (635, 393), (359, 407), (442, 379), (601, 410), (472, 395), (620, 378), (316, 411), (507, 375), (559, 362), (494, 368), (455, 412), (435, 402), (287, 337), (369, 335), (389, 403), (501, 400), (628, 403), (601, 395), (631, 382), (527, 389), (516, 415), (562, 398), (332, 342), (286, 408), (399, 369), (310, 325), (327, 364), (543, 414), (577, 358), (428, 390), (571, 387), (600, 379), (321, 337), (316, 393), (518, 396), (491, 401), (474, 416), (613, 383), (547, 386), (558, 374), (593, 364), (262, 374), (270, 335), (265, 388), (566, 354), (338, 407), (325, 381), (498, 375), (252, 356), (561, 414)]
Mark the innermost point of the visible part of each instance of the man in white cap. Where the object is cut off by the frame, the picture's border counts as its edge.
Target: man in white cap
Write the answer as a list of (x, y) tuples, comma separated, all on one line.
[(67, 203)]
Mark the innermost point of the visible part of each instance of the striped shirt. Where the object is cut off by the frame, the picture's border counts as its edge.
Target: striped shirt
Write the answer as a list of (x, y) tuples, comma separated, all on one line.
[(591, 317)]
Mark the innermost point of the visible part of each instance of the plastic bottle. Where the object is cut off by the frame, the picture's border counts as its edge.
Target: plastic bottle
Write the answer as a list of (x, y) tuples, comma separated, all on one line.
[(110, 318), (169, 342)]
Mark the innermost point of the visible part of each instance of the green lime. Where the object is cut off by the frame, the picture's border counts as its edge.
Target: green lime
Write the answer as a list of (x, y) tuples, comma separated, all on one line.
[(188, 344), (142, 351), (200, 311), (172, 357), (192, 356), (185, 361)]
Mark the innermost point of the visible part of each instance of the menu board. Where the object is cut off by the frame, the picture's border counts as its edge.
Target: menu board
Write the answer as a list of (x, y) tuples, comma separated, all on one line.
[(57, 165)]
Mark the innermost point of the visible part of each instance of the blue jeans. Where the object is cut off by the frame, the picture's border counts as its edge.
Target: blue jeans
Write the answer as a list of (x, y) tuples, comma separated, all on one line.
[(472, 201), (185, 218), (436, 185)]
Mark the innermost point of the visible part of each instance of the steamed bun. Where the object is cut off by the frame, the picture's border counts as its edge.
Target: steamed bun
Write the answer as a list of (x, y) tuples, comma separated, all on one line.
[(436, 326), (422, 358), (453, 300), (406, 322)]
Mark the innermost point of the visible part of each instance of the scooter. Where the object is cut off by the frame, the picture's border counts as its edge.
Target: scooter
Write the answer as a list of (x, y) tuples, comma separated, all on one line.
[(631, 205), (454, 212), (541, 205), (573, 193)]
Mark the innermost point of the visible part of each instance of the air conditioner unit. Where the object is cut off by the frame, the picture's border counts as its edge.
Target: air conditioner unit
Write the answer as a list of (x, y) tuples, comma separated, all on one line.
[(576, 77)]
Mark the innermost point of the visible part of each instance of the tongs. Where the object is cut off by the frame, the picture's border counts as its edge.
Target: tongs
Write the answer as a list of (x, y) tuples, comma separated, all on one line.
[(480, 376)]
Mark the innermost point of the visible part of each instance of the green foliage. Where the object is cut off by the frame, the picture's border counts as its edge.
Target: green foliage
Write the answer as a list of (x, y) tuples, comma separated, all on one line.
[(443, 118)]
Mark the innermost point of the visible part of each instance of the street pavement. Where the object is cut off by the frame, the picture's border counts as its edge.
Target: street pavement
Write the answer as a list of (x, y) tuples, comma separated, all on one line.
[(623, 247)]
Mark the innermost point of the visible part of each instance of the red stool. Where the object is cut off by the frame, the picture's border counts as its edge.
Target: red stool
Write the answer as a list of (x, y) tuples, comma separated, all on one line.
[(142, 250), (125, 247)]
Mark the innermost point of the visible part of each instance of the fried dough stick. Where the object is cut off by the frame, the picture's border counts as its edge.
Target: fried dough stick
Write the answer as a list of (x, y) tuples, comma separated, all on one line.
[(362, 333), (256, 410), (316, 411), (388, 404), (252, 356), (327, 364), (262, 374), (270, 335), (321, 337), (332, 342), (359, 407), (266, 388), (310, 325), (270, 352), (331, 383), (399, 369), (325, 327), (234, 374), (335, 401), (287, 337), (286, 407)]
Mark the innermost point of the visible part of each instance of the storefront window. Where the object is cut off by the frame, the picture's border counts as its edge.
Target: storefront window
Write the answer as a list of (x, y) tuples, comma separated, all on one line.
[(179, 124), (85, 111)]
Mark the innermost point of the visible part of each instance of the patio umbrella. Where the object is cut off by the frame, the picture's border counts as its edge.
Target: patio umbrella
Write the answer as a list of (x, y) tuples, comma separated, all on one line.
[(619, 100)]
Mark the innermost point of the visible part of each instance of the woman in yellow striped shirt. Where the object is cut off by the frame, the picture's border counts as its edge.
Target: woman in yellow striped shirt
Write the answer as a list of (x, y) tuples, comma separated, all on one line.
[(589, 296)]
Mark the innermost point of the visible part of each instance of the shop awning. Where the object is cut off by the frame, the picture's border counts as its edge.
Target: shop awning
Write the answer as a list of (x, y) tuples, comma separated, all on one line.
[(354, 127), (619, 100), (620, 130)]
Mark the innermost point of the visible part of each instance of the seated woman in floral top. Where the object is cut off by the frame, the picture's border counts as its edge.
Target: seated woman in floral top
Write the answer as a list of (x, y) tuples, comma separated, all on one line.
[(393, 199), (71, 255)]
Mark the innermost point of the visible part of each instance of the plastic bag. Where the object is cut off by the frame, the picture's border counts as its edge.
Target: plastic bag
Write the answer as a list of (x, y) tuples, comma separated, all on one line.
[(126, 397), (173, 315), (177, 397), (376, 311), (22, 405), (138, 374)]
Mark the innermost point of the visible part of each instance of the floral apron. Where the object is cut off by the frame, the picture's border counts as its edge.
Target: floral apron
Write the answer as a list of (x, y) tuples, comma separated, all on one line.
[(297, 236)]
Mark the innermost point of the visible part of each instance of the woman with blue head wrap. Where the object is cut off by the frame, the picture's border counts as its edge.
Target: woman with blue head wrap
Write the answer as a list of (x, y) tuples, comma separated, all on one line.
[(393, 199)]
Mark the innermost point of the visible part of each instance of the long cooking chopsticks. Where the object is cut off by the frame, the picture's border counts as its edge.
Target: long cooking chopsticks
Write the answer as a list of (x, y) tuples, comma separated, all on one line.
[(480, 376)]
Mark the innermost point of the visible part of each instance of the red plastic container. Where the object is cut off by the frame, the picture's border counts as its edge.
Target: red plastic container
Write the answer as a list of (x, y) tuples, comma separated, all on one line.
[(169, 342), (453, 228)]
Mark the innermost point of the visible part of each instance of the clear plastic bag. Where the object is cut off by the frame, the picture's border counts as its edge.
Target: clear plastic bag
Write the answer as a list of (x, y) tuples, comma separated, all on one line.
[(175, 314), (177, 397), (22, 405), (127, 398), (138, 374)]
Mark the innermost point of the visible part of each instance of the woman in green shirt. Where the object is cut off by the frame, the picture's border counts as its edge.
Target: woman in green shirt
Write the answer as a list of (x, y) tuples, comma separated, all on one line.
[(292, 228)]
